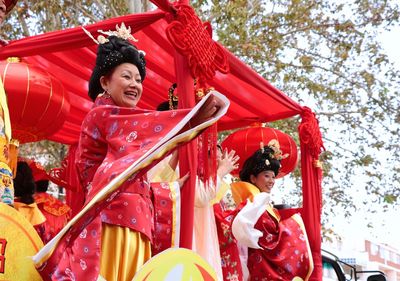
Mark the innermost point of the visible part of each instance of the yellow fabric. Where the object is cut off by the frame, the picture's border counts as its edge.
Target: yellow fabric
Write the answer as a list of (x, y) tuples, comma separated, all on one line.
[(3, 146), (162, 172), (22, 242), (123, 254), (31, 212), (6, 114), (242, 191), (223, 188), (176, 215), (13, 156)]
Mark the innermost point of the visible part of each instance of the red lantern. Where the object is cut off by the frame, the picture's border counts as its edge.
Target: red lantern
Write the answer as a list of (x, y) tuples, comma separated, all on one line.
[(37, 101), (247, 141)]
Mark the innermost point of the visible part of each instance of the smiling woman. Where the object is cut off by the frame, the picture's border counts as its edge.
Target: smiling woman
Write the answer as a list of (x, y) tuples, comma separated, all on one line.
[(124, 85), (118, 141), (262, 235)]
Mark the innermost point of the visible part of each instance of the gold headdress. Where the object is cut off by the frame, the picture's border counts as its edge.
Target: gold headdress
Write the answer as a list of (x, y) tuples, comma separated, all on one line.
[(111, 52), (120, 31), (277, 153)]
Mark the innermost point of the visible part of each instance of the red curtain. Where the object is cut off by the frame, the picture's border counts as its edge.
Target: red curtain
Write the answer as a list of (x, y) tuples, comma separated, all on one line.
[(57, 41), (311, 146)]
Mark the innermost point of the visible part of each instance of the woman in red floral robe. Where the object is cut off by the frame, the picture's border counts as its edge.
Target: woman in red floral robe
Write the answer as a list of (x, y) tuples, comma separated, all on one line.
[(117, 137), (255, 243)]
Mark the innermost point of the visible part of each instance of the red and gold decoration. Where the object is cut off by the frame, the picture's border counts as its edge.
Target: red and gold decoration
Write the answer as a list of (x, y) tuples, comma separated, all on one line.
[(37, 101), (193, 39), (176, 264), (247, 141)]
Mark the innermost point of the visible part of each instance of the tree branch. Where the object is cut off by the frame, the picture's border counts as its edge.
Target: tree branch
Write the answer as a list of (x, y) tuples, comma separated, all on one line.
[(89, 15), (24, 25)]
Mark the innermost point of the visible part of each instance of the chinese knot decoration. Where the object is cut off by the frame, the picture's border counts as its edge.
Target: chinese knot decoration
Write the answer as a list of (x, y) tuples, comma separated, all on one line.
[(193, 39)]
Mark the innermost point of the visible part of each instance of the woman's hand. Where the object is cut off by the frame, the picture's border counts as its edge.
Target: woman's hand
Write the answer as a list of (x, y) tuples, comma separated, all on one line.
[(207, 111), (227, 163), (181, 181)]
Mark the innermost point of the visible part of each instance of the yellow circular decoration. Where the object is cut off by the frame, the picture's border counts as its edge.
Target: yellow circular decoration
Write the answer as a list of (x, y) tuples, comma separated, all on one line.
[(176, 264), (19, 241)]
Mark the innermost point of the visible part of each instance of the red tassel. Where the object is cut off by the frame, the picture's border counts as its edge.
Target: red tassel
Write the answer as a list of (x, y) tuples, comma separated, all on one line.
[(310, 134), (207, 156)]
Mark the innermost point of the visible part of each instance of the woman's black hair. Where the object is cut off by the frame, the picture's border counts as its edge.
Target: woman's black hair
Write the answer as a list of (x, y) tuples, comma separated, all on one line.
[(42, 185), (24, 185), (164, 106), (261, 160), (111, 54)]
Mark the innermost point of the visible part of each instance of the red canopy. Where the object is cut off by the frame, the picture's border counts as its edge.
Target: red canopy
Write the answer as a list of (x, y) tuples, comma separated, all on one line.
[(69, 55)]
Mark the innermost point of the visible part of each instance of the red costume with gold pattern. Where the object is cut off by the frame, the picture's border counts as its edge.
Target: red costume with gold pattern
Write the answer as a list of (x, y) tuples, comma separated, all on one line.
[(56, 212), (278, 249), (112, 139)]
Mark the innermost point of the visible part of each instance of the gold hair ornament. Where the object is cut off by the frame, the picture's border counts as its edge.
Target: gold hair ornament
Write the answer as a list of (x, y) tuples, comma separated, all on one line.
[(277, 153), (172, 98), (120, 31)]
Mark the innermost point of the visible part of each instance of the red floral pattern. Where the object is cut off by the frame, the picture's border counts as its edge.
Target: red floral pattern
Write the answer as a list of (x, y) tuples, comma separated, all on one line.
[(56, 213), (112, 138), (285, 250)]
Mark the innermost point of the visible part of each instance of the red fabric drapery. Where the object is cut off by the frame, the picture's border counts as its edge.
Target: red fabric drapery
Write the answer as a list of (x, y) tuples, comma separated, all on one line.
[(187, 153), (311, 146), (57, 41)]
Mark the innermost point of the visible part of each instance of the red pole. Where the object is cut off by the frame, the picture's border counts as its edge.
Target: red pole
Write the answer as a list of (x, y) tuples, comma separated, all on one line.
[(187, 153)]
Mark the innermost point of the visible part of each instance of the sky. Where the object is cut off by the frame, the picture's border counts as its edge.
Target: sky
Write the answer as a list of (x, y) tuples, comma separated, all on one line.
[(391, 42)]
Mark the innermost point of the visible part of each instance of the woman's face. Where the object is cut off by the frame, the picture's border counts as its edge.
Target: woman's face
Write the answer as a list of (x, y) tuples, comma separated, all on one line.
[(124, 85), (264, 181)]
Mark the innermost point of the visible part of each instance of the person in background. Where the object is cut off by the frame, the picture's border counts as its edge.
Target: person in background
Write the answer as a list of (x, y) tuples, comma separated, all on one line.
[(56, 212), (208, 196), (24, 202)]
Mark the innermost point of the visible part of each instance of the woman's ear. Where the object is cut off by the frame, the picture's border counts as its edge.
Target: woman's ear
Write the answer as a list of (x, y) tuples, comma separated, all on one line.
[(104, 82), (253, 179)]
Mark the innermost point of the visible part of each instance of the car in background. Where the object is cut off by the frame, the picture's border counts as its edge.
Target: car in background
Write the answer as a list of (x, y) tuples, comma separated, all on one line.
[(336, 270)]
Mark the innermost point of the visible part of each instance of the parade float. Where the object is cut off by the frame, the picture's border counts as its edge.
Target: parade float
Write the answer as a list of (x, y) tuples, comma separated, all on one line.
[(46, 79)]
